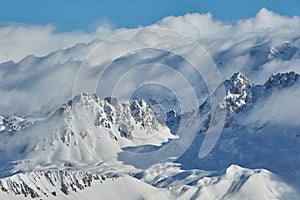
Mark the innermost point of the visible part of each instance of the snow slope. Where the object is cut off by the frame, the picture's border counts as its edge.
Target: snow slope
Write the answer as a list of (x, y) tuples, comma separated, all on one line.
[(68, 185), (86, 130), (234, 183)]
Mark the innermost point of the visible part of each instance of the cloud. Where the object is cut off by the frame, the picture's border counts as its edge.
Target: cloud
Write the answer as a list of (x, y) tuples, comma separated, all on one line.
[(20, 40), (43, 81), (229, 43), (281, 108), (195, 25), (266, 20)]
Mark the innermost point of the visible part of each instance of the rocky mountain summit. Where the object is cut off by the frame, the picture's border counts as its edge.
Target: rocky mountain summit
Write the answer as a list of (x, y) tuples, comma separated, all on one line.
[(242, 95)]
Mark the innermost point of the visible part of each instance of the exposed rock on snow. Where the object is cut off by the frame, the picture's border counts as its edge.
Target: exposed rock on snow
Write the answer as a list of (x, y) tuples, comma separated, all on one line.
[(43, 184), (242, 95)]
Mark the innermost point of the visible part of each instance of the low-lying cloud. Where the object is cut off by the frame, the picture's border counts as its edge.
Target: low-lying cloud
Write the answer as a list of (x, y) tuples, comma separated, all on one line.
[(281, 108), (45, 80), (20, 40)]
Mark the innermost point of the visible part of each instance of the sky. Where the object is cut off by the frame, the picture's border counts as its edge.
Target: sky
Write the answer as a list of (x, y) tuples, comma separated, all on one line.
[(71, 15)]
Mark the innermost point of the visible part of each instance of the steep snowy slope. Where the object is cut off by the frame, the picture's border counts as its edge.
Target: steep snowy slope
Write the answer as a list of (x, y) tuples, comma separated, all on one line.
[(77, 185), (242, 96), (86, 130)]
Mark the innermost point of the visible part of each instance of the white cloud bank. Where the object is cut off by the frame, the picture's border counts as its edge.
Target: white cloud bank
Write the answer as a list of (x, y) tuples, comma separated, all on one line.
[(39, 83), (281, 108), (20, 40)]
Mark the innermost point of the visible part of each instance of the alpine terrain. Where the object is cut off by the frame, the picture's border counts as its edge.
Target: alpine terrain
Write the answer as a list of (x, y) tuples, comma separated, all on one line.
[(144, 115)]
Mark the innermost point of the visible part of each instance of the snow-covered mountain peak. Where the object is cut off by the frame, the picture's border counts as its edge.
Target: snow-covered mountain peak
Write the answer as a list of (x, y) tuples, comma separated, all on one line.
[(266, 52), (240, 81), (85, 130), (143, 114), (284, 52), (241, 93), (242, 96), (118, 117), (238, 92), (110, 112), (282, 80)]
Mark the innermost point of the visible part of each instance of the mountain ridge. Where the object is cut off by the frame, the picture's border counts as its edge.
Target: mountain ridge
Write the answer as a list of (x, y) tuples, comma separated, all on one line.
[(114, 126)]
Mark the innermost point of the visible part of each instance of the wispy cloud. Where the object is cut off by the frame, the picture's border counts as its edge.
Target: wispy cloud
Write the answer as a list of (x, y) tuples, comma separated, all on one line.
[(280, 108)]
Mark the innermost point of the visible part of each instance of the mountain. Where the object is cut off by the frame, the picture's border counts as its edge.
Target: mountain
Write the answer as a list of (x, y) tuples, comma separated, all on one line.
[(156, 182), (75, 150), (66, 184), (15, 123), (242, 95), (249, 138), (264, 53), (6, 125), (77, 146), (233, 183), (85, 131), (143, 135)]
